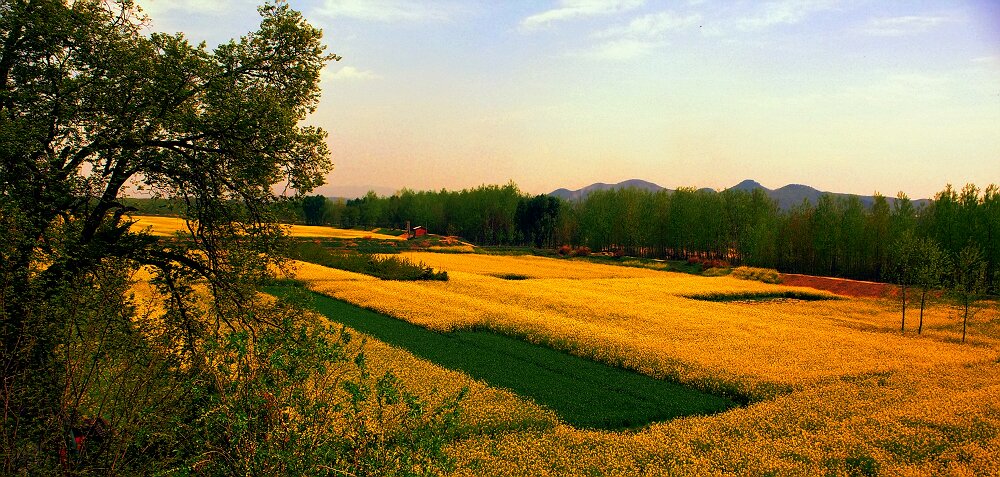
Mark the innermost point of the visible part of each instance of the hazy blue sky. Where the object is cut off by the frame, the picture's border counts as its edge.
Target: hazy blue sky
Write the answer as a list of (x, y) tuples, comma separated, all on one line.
[(852, 96)]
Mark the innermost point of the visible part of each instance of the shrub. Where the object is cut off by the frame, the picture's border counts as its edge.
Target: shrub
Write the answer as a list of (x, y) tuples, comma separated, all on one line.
[(565, 250), (707, 263), (766, 275), (581, 251), (717, 272), (386, 268)]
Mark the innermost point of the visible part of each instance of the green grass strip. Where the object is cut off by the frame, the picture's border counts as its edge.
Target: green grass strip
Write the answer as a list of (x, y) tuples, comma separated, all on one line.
[(584, 393)]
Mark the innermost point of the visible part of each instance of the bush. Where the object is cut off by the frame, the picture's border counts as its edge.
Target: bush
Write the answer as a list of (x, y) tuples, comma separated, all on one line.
[(565, 250), (707, 263), (717, 272), (581, 251), (766, 275), (386, 268)]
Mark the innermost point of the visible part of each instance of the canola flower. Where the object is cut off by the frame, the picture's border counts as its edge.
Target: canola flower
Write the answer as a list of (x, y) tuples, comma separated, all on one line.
[(941, 423), (484, 409), (848, 394), (642, 320), (168, 226)]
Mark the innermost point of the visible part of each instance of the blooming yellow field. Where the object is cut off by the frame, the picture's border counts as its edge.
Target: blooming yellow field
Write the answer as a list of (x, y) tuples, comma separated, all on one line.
[(836, 388), (167, 226), (484, 408), (640, 319)]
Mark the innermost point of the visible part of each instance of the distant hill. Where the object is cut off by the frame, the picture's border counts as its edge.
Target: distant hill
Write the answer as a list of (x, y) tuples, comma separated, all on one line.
[(787, 196), (793, 194), (580, 194)]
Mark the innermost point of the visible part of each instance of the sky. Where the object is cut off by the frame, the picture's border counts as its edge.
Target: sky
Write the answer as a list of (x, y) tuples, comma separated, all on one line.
[(855, 96)]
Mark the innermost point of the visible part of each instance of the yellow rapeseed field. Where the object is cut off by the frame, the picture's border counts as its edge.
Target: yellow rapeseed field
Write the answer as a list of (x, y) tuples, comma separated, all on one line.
[(835, 387), (484, 408), (641, 319), (167, 226)]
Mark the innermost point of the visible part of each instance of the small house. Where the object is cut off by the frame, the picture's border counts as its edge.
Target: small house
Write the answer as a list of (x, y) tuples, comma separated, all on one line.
[(419, 231)]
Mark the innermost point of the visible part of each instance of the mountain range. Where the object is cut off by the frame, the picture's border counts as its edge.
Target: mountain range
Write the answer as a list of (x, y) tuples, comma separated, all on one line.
[(786, 197)]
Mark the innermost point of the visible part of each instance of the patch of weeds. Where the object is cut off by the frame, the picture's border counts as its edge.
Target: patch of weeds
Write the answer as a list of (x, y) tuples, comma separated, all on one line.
[(766, 275), (717, 272), (761, 296), (511, 276), (861, 465)]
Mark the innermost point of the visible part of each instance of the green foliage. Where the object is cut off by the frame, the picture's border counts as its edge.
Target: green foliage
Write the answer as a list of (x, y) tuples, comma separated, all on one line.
[(969, 280), (313, 208), (861, 465), (199, 376), (297, 399), (765, 275), (929, 272), (385, 267), (836, 235), (536, 219), (485, 215), (904, 261), (717, 272), (583, 392)]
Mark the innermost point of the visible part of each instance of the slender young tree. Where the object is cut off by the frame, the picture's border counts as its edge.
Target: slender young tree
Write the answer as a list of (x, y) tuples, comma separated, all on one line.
[(903, 261), (932, 265), (969, 280)]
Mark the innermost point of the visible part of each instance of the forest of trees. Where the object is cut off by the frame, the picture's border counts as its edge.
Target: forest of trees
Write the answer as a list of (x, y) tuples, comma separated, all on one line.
[(837, 236)]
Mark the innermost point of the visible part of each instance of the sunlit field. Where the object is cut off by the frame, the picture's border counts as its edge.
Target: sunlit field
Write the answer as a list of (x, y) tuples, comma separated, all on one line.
[(832, 385), (168, 226)]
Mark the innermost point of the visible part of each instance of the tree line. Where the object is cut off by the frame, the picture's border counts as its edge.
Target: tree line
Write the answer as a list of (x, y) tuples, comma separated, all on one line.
[(836, 236)]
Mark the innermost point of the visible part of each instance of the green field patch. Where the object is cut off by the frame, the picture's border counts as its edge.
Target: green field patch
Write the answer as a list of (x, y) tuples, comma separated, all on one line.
[(582, 392), (752, 297)]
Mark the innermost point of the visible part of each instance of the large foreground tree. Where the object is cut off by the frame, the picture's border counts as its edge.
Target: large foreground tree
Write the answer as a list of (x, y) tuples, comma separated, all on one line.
[(89, 107), (208, 377)]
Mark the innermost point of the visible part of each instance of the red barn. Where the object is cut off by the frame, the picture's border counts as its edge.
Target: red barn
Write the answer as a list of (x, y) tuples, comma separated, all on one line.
[(419, 231)]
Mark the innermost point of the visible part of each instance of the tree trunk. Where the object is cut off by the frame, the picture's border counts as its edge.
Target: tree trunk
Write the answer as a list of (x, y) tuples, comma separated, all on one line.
[(902, 326), (923, 299), (965, 319)]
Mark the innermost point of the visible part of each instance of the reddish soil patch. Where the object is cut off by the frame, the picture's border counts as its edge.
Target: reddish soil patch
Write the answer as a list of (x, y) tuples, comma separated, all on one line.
[(841, 286)]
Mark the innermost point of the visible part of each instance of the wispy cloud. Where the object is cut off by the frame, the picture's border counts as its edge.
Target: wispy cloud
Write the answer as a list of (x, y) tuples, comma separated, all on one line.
[(653, 25), (623, 49), (572, 9), (640, 36), (387, 10), (347, 73), (907, 25), (785, 12)]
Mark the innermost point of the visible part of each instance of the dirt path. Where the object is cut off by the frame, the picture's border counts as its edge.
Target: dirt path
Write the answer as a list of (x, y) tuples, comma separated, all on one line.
[(841, 286)]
